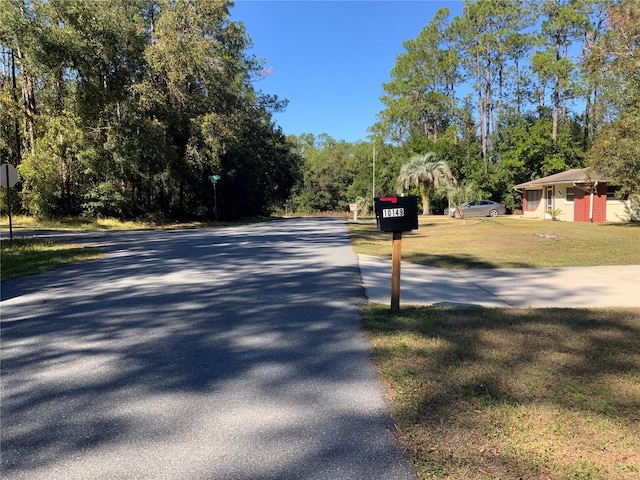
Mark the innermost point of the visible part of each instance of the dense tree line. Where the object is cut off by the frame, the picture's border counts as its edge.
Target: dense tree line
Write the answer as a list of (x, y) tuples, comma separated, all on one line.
[(507, 92), (126, 108)]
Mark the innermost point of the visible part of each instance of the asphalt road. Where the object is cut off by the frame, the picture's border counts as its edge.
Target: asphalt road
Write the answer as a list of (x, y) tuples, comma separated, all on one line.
[(227, 353)]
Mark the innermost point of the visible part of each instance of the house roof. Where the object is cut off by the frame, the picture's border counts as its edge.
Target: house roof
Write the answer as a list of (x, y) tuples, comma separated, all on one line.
[(576, 175)]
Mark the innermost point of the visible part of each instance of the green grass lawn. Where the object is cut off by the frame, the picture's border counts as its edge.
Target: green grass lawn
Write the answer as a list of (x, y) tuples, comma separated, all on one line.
[(513, 393), (505, 242), (28, 256)]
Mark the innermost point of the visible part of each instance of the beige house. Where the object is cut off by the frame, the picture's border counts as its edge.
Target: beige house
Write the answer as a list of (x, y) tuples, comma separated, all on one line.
[(573, 196)]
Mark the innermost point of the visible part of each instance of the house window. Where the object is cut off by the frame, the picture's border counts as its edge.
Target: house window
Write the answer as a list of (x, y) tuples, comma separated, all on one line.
[(613, 193), (569, 195), (533, 199)]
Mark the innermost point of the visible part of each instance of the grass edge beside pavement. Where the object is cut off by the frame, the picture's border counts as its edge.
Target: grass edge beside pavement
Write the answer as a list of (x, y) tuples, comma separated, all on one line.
[(28, 256)]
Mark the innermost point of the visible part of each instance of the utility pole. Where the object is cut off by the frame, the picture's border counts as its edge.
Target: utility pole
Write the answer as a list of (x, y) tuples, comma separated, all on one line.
[(373, 188)]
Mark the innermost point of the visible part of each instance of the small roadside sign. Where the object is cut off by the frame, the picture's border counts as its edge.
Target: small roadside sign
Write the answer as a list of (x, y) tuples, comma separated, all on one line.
[(8, 175), (8, 179)]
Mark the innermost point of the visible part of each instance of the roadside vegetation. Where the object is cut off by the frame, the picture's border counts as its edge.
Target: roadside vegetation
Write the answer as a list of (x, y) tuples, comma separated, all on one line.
[(512, 393), (27, 256), (87, 224), (504, 242), (156, 129)]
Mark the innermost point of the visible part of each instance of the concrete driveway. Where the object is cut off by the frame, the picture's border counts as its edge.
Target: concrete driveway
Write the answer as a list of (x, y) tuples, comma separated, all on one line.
[(227, 353), (575, 287)]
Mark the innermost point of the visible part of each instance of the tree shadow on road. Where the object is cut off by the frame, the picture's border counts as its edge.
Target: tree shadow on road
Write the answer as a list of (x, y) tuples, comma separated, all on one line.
[(169, 335)]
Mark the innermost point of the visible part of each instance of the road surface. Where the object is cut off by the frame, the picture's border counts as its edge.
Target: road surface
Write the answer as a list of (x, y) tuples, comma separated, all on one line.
[(227, 353)]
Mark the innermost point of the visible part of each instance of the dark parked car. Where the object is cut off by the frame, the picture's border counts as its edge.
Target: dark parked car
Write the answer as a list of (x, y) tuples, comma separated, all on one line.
[(482, 208)]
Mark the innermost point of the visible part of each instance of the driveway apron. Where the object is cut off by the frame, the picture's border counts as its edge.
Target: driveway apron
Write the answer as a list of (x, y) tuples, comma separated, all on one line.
[(569, 287), (227, 353)]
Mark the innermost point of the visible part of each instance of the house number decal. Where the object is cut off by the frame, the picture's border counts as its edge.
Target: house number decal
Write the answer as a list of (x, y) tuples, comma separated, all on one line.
[(392, 212)]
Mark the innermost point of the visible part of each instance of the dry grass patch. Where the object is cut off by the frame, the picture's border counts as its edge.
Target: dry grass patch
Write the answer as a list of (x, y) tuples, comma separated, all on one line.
[(85, 224), (24, 222), (514, 393)]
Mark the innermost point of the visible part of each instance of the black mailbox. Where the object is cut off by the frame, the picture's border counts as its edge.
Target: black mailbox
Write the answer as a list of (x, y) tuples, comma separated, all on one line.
[(396, 214)]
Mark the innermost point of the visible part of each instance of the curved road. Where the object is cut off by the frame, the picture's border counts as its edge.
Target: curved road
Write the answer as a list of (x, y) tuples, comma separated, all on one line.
[(227, 353)]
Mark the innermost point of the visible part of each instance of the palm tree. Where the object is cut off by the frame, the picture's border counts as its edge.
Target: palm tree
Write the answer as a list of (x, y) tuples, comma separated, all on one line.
[(459, 195), (428, 174)]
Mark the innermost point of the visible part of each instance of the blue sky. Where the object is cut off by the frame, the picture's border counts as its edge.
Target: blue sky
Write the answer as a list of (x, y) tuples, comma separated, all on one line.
[(330, 58)]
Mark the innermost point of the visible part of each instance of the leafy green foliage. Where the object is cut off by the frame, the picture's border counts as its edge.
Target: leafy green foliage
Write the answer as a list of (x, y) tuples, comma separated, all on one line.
[(125, 108), (336, 173), (128, 107), (615, 60), (428, 174), (520, 62)]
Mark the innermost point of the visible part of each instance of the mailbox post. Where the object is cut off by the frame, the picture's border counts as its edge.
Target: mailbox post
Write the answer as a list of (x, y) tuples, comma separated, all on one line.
[(396, 215), (354, 208)]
